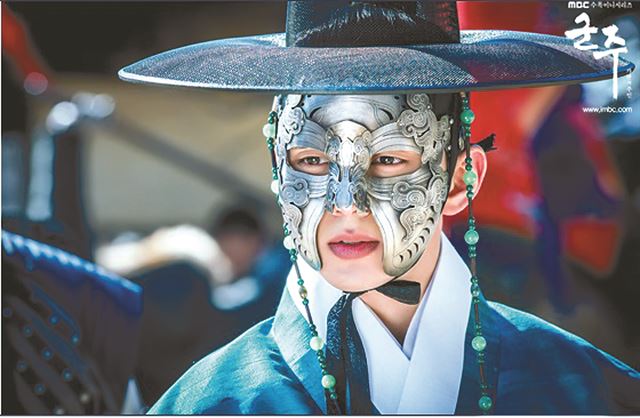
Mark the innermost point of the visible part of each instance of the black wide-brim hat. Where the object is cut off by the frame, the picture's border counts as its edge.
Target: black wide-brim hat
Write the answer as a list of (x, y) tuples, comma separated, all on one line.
[(357, 47)]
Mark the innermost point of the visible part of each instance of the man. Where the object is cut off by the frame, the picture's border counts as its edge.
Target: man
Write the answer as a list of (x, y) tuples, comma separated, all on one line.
[(380, 313)]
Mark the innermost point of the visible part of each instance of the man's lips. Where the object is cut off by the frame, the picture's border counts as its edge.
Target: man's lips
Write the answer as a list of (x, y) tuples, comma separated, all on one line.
[(350, 247)]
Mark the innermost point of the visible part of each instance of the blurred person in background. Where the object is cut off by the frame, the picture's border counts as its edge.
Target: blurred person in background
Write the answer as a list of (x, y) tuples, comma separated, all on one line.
[(200, 290), (259, 266), (178, 268)]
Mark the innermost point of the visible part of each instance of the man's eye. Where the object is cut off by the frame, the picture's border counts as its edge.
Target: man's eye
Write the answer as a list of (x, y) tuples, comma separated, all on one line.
[(312, 160), (387, 160)]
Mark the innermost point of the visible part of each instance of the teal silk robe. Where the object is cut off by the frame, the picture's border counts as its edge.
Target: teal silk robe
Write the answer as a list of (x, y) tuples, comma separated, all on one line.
[(532, 367)]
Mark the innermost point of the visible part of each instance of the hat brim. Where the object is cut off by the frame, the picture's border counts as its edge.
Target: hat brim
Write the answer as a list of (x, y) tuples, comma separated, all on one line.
[(483, 60)]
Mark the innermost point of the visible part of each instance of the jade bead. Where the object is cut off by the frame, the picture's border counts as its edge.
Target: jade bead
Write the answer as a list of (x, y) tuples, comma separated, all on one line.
[(328, 381), (467, 116), (485, 403), (302, 291), (269, 130), (275, 187), (479, 343), (316, 343), (288, 242), (469, 178), (300, 282), (475, 290), (471, 237)]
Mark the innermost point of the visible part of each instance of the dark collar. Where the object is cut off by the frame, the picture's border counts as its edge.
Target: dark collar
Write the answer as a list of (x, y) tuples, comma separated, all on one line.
[(291, 333)]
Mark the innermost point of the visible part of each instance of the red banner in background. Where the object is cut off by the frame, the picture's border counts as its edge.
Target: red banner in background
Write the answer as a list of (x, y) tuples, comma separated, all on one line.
[(511, 195)]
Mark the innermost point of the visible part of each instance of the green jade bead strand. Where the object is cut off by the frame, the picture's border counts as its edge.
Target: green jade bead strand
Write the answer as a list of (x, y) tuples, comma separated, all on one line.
[(316, 343), (471, 237)]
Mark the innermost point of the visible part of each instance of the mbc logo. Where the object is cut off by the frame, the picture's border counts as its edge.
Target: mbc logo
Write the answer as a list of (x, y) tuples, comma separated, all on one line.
[(578, 4)]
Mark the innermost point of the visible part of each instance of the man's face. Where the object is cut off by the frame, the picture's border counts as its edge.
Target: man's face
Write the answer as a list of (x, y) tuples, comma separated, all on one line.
[(361, 184), (349, 241)]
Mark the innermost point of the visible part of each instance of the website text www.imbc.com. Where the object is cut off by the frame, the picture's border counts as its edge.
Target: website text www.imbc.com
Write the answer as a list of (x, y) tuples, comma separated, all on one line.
[(607, 109)]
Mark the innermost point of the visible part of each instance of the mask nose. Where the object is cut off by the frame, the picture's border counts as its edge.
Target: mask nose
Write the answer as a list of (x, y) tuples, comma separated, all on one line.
[(347, 200)]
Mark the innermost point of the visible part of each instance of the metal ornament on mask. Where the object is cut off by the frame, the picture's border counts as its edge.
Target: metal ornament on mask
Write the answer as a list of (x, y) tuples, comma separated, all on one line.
[(350, 130)]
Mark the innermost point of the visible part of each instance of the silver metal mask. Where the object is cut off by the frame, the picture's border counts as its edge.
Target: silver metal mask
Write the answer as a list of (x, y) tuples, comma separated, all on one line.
[(350, 130)]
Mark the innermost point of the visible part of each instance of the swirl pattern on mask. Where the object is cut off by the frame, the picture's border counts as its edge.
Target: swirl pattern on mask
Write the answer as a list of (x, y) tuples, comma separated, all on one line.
[(350, 130), (349, 158)]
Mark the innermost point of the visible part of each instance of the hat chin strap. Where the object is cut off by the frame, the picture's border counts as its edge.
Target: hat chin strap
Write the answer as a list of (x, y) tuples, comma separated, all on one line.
[(404, 291)]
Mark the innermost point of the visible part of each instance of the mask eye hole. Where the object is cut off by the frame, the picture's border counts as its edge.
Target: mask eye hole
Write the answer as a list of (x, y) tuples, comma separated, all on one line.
[(394, 163), (309, 160)]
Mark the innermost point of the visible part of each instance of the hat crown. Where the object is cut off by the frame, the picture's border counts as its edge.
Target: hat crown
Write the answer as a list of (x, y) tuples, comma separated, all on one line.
[(342, 23)]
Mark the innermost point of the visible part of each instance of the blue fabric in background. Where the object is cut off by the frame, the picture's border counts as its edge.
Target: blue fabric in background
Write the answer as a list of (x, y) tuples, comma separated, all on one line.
[(86, 317)]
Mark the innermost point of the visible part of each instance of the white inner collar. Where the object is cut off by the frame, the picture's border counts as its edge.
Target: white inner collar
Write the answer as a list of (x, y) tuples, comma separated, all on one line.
[(423, 375)]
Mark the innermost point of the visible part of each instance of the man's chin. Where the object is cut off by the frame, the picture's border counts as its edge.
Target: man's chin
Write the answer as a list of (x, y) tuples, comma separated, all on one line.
[(350, 282)]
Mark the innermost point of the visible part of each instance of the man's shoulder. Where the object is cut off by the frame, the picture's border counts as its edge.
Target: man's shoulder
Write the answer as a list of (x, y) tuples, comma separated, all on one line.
[(539, 357), (224, 379), (516, 325), (531, 334)]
